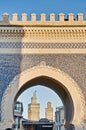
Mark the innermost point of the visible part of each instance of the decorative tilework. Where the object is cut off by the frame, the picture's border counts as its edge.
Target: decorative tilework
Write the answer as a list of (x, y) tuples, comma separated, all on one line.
[(41, 45)]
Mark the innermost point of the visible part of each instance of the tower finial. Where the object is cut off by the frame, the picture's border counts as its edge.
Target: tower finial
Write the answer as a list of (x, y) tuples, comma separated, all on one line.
[(34, 93)]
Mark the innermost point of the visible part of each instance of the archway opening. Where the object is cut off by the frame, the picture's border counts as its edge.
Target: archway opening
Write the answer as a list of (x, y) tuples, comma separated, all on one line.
[(58, 88), (43, 96)]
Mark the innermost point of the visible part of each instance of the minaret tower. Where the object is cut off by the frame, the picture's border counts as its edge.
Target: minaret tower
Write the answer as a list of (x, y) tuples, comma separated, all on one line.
[(49, 112), (34, 109)]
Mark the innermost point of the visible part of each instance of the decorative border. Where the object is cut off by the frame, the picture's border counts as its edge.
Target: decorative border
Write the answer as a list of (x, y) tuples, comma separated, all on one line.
[(36, 45)]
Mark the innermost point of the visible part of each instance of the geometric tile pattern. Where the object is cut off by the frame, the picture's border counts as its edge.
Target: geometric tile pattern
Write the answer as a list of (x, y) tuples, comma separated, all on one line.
[(42, 45)]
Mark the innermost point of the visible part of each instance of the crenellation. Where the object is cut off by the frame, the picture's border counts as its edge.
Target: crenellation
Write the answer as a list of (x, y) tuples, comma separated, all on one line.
[(52, 17), (69, 30), (43, 17), (15, 17), (33, 17), (61, 17), (24, 17), (5, 17), (80, 17), (71, 17), (61, 20)]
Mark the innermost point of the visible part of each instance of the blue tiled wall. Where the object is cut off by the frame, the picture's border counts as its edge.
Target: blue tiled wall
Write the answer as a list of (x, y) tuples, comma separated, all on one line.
[(9, 67), (13, 64)]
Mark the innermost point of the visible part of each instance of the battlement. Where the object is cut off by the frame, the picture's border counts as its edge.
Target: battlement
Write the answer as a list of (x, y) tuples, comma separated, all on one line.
[(52, 20), (56, 28)]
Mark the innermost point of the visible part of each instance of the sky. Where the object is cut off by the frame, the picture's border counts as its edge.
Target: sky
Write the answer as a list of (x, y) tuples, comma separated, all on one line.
[(43, 95), (42, 6)]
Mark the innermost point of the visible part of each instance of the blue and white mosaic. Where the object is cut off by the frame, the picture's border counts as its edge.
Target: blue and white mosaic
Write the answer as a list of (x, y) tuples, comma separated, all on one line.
[(41, 45)]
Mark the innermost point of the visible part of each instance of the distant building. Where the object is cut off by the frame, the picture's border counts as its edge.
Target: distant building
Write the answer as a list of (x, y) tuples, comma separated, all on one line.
[(42, 124), (34, 109), (18, 110), (49, 112), (60, 118)]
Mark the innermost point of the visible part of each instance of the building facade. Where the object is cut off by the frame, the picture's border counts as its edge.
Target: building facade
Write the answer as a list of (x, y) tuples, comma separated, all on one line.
[(42, 124), (60, 118), (47, 52), (18, 118)]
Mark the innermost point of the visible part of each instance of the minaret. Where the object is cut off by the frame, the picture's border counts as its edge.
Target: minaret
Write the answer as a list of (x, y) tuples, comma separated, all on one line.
[(49, 112), (34, 109)]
